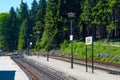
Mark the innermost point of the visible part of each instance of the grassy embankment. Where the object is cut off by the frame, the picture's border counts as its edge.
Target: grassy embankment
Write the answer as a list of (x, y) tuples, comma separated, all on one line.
[(103, 51)]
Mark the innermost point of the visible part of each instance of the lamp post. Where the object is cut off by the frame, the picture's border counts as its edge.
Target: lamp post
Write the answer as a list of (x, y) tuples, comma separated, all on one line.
[(29, 42), (47, 25), (71, 15)]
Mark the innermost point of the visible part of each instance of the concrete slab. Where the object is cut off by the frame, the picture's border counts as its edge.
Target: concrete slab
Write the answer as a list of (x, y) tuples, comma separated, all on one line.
[(7, 64), (78, 72)]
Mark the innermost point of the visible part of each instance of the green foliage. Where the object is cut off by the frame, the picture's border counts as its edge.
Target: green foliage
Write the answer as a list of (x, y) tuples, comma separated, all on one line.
[(23, 11), (25, 28), (99, 18), (40, 23), (14, 29), (102, 52), (4, 31), (101, 12), (33, 11), (33, 22), (50, 30), (47, 38), (86, 12), (23, 37), (64, 45), (111, 27)]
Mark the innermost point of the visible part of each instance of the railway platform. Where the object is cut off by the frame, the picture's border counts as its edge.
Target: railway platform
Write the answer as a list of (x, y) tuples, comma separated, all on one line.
[(9, 67), (78, 72)]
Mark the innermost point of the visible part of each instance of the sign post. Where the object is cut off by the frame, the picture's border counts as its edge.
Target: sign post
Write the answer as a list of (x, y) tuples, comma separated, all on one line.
[(86, 59), (89, 41), (71, 37), (92, 57)]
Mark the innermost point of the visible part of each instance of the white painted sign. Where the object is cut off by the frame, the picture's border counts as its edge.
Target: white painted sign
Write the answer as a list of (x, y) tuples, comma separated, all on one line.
[(71, 37), (88, 40), (30, 43)]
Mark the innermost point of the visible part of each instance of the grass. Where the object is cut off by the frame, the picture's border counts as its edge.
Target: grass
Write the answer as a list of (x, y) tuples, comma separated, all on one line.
[(103, 51)]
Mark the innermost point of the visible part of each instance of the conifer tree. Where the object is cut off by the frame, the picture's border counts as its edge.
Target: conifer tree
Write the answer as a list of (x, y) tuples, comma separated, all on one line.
[(13, 26), (25, 28), (86, 18), (50, 31), (23, 40), (33, 11), (23, 11), (39, 24), (4, 31)]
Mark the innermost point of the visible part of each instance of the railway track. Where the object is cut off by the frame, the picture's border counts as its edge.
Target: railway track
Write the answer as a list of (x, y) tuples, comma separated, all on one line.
[(112, 68), (35, 71), (39, 73), (32, 75)]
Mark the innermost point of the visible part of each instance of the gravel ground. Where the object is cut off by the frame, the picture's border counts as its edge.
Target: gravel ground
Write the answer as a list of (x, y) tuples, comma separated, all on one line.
[(78, 72)]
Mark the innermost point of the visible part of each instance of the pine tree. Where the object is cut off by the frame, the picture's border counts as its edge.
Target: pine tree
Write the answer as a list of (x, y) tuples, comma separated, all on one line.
[(13, 26), (25, 27), (23, 11), (4, 32), (39, 24), (23, 40), (33, 11), (50, 31), (103, 19), (86, 18), (40, 17)]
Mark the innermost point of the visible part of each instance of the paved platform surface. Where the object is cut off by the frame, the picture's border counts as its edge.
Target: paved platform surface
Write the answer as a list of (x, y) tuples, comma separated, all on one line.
[(6, 63), (78, 72)]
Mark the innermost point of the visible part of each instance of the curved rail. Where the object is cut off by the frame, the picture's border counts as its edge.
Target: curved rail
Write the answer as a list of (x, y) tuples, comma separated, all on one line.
[(36, 71), (33, 75)]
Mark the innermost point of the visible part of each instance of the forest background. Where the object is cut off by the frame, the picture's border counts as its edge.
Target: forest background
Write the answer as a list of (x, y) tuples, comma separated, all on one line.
[(97, 18)]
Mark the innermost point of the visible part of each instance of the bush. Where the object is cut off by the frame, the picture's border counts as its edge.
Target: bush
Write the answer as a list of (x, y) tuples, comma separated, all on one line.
[(102, 52)]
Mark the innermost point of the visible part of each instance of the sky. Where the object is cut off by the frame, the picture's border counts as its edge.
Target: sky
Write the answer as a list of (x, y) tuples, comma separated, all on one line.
[(5, 5)]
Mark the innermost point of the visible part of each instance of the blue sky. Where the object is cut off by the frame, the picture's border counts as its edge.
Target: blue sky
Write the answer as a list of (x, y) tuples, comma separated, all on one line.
[(5, 5)]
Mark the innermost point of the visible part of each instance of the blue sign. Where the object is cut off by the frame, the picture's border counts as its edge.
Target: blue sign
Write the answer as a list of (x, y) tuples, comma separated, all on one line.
[(7, 75)]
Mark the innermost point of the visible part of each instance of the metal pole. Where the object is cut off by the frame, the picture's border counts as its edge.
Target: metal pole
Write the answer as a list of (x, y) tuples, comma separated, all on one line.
[(92, 56), (71, 26), (28, 46), (47, 45), (86, 59), (71, 45)]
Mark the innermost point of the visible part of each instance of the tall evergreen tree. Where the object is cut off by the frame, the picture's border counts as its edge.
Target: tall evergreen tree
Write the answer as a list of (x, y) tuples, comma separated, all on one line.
[(4, 32), (103, 19), (23, 11), (33, 11), (50, 18), (39, 24), (99, 15), (86, 18), (23, 40), (25, 27), (13, 26)]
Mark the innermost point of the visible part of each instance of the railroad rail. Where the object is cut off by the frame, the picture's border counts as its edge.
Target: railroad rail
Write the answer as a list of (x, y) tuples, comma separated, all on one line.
[(32, 75), (35, 70), (36, 74), (112, 68)]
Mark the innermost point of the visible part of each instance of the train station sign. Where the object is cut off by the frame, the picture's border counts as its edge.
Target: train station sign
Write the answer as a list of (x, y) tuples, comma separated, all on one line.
[(88, 40)]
